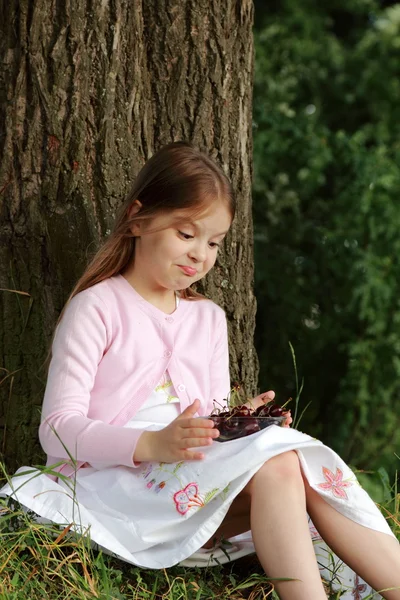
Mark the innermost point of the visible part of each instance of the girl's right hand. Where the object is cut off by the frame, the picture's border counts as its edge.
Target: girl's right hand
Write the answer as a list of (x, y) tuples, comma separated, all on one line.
[(174, 442)]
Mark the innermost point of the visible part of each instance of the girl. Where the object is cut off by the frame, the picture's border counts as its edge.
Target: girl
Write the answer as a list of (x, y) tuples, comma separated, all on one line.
[(137, 359)]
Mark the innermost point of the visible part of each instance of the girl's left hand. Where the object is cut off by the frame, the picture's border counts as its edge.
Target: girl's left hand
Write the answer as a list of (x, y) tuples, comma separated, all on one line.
[(261, 399), (289, 419), (265, 398)]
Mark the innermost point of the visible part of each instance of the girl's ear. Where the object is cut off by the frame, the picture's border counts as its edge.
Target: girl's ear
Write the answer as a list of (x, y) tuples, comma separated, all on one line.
[(133, 210)]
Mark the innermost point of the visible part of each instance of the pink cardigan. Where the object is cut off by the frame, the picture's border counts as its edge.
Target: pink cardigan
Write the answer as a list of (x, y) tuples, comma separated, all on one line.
[(110, 350)]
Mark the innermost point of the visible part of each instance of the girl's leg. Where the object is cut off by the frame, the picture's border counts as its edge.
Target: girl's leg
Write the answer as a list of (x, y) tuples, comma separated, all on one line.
[(279, 526), (236, 521), (372, 555), (273, 506)]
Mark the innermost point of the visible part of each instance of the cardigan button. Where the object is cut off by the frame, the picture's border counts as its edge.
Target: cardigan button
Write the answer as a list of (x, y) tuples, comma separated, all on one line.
[(181, 387), (167, 353), (169, 319)]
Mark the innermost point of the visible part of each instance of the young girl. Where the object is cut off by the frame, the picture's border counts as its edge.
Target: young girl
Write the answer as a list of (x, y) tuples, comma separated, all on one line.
[(137, 360)]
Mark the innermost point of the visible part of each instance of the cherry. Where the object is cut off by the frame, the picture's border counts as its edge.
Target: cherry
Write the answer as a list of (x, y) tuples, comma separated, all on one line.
[(233, 422), (275, 411), (241, 421), (263, 410), (218, 420), (250, 427)]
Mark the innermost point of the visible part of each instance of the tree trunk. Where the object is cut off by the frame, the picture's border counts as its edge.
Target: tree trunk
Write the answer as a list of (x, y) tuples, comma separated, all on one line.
[(89, 91)]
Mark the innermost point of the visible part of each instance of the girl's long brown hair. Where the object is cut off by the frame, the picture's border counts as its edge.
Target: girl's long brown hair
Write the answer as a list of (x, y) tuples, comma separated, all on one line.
[(177, 177)]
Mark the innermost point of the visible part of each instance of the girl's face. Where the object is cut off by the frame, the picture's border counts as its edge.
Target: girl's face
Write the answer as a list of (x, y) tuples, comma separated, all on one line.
[(173, 251)]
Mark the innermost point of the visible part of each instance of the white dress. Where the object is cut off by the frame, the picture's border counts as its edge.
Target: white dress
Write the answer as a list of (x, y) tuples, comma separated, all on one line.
[(159, 515)]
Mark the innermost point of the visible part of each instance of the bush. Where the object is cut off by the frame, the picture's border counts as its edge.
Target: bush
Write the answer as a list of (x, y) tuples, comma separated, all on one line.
[(327, 217)]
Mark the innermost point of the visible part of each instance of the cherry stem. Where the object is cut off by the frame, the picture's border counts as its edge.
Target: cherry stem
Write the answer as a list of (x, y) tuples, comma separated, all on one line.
[(287, 402)]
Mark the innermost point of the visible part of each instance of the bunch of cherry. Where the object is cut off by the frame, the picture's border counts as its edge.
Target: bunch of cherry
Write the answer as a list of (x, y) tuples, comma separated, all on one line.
[(241, 421)]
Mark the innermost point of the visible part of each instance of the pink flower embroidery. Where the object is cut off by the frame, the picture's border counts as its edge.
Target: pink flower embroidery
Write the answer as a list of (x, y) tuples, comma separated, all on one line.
[(159, 487), (358, 589), (147, 470), (187, 498), (335, 483)]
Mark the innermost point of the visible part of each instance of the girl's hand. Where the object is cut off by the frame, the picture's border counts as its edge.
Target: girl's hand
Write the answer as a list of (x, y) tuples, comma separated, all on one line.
[(174, 442), (265, 398), (289, 419), (261, 399)]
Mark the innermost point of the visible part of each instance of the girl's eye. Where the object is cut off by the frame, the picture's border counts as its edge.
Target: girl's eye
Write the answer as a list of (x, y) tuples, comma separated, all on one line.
[(213, 245), (185, 236)]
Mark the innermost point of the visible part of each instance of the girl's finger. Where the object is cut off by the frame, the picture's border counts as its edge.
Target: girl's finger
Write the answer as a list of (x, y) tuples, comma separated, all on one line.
[(268, 396), (190, 410), (188, 455), (289, 419), (197, 424), (199, 433), (194, 442)]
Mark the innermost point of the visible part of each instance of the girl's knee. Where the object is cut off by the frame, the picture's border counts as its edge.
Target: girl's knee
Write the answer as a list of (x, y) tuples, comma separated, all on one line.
[(283, 468)]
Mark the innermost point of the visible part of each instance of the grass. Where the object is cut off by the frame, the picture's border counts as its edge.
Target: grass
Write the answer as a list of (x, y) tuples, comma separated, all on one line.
[(43, 561), (40, 561)]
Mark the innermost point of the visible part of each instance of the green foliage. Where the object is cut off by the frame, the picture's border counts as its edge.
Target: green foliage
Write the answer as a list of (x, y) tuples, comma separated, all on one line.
[(327, 217), (44, 561)]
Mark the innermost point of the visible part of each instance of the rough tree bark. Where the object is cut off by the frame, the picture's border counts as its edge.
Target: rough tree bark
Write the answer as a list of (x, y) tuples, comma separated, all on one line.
[(89, 90)]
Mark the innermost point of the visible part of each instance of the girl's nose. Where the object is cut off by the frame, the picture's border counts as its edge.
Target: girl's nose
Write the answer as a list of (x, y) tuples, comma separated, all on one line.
[(198, 253)]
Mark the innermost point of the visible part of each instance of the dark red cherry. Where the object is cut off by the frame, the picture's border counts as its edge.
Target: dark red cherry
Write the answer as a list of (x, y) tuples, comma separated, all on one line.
[(239, 411), (218, 420), (276, 411), (224, 415), (263, 411), (250, 427), (241, 421), (233, 422)]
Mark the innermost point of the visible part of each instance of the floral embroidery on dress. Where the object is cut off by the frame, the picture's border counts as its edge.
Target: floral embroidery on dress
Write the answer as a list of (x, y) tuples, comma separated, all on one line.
[(225, 492), (147, 470), (159, 486), (171, 397), (358, 589), (164, 382), (334, 483), (164, 385), (187, 498), (154, 470)]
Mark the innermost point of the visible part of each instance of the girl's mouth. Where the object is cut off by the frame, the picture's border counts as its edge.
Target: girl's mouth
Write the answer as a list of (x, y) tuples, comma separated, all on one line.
[(190, 271)]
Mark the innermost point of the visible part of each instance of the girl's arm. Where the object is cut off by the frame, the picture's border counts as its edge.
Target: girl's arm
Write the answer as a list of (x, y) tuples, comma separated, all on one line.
[(182, 439), (81, 339)]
